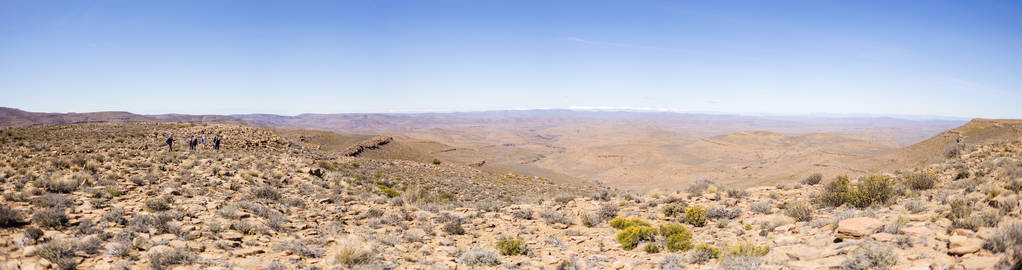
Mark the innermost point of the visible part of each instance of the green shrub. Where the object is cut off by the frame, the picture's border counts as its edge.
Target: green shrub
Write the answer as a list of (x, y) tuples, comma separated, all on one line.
[(678, 242), (920, 181), (652, 248), (327, 165), (696, 216), (743, 256), (621, 223), (746, 249), (631, 236), (673, 209), (836, 192), (672, 228), (389, 192), (711, 252), (869, 191), (872, 190), (512, 246), (678, 238)]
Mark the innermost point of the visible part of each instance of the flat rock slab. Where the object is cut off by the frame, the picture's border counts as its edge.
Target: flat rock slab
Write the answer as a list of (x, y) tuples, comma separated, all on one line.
[(961, 245), (855, 228)]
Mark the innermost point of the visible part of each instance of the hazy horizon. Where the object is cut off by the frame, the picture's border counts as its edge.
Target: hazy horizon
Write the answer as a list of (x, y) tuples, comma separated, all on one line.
[(942, 59), (572, 109)]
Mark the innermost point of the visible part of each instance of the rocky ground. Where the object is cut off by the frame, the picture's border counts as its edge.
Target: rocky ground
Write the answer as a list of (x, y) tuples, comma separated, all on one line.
[(110, 196)]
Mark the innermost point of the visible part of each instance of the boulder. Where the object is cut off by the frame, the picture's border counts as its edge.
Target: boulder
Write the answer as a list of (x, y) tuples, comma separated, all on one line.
[(961, 245), (915, 231), (979, 262), (855, 228), (885, 237)]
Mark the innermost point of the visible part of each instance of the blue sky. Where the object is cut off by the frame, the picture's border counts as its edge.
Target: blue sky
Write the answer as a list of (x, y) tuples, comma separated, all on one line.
[(961, 59)]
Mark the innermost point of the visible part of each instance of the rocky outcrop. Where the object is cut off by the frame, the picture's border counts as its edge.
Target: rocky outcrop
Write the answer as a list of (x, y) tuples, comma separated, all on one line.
[(369, 144)]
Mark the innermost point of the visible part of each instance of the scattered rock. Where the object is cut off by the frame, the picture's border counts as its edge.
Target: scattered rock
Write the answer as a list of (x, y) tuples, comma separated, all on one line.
[(854, 228)]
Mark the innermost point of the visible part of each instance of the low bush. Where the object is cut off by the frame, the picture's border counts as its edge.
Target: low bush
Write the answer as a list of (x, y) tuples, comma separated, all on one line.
[(651, 248), (870, 190), (1013, 185), (299, 248), (59, 185), (349, 251), (53, 217), (9, 217), (696, 216), (920, 181), (59, 252), (699, 186), (265, 192), (631, 236), (606, 211), (677, 237), (703, 253), (478, 256), (522, 214), (621, 223), (512, 246), (800, 211), (746, 249), (737, 193), (162, 259), (157, 204), (554, 217), (871, 255), (673, 209), (915, 206), (389, 192), (764, 207), (89, 245), (327, 165), (1005, 238), (453, 228), (740, 262), (743, 256), (812, 179), (678, 242), (723, 212), (672, 262)]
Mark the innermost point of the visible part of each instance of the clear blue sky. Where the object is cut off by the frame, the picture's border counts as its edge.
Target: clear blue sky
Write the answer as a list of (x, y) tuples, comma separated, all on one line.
[(961, 58)]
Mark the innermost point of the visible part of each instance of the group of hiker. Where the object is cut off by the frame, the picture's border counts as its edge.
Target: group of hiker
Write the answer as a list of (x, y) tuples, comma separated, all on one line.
[(193, 142)]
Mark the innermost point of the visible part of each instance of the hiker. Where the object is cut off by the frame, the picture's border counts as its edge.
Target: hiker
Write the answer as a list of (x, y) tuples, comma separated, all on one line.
[(203, 140), (191, 142), (216, 142), (170, 143)]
